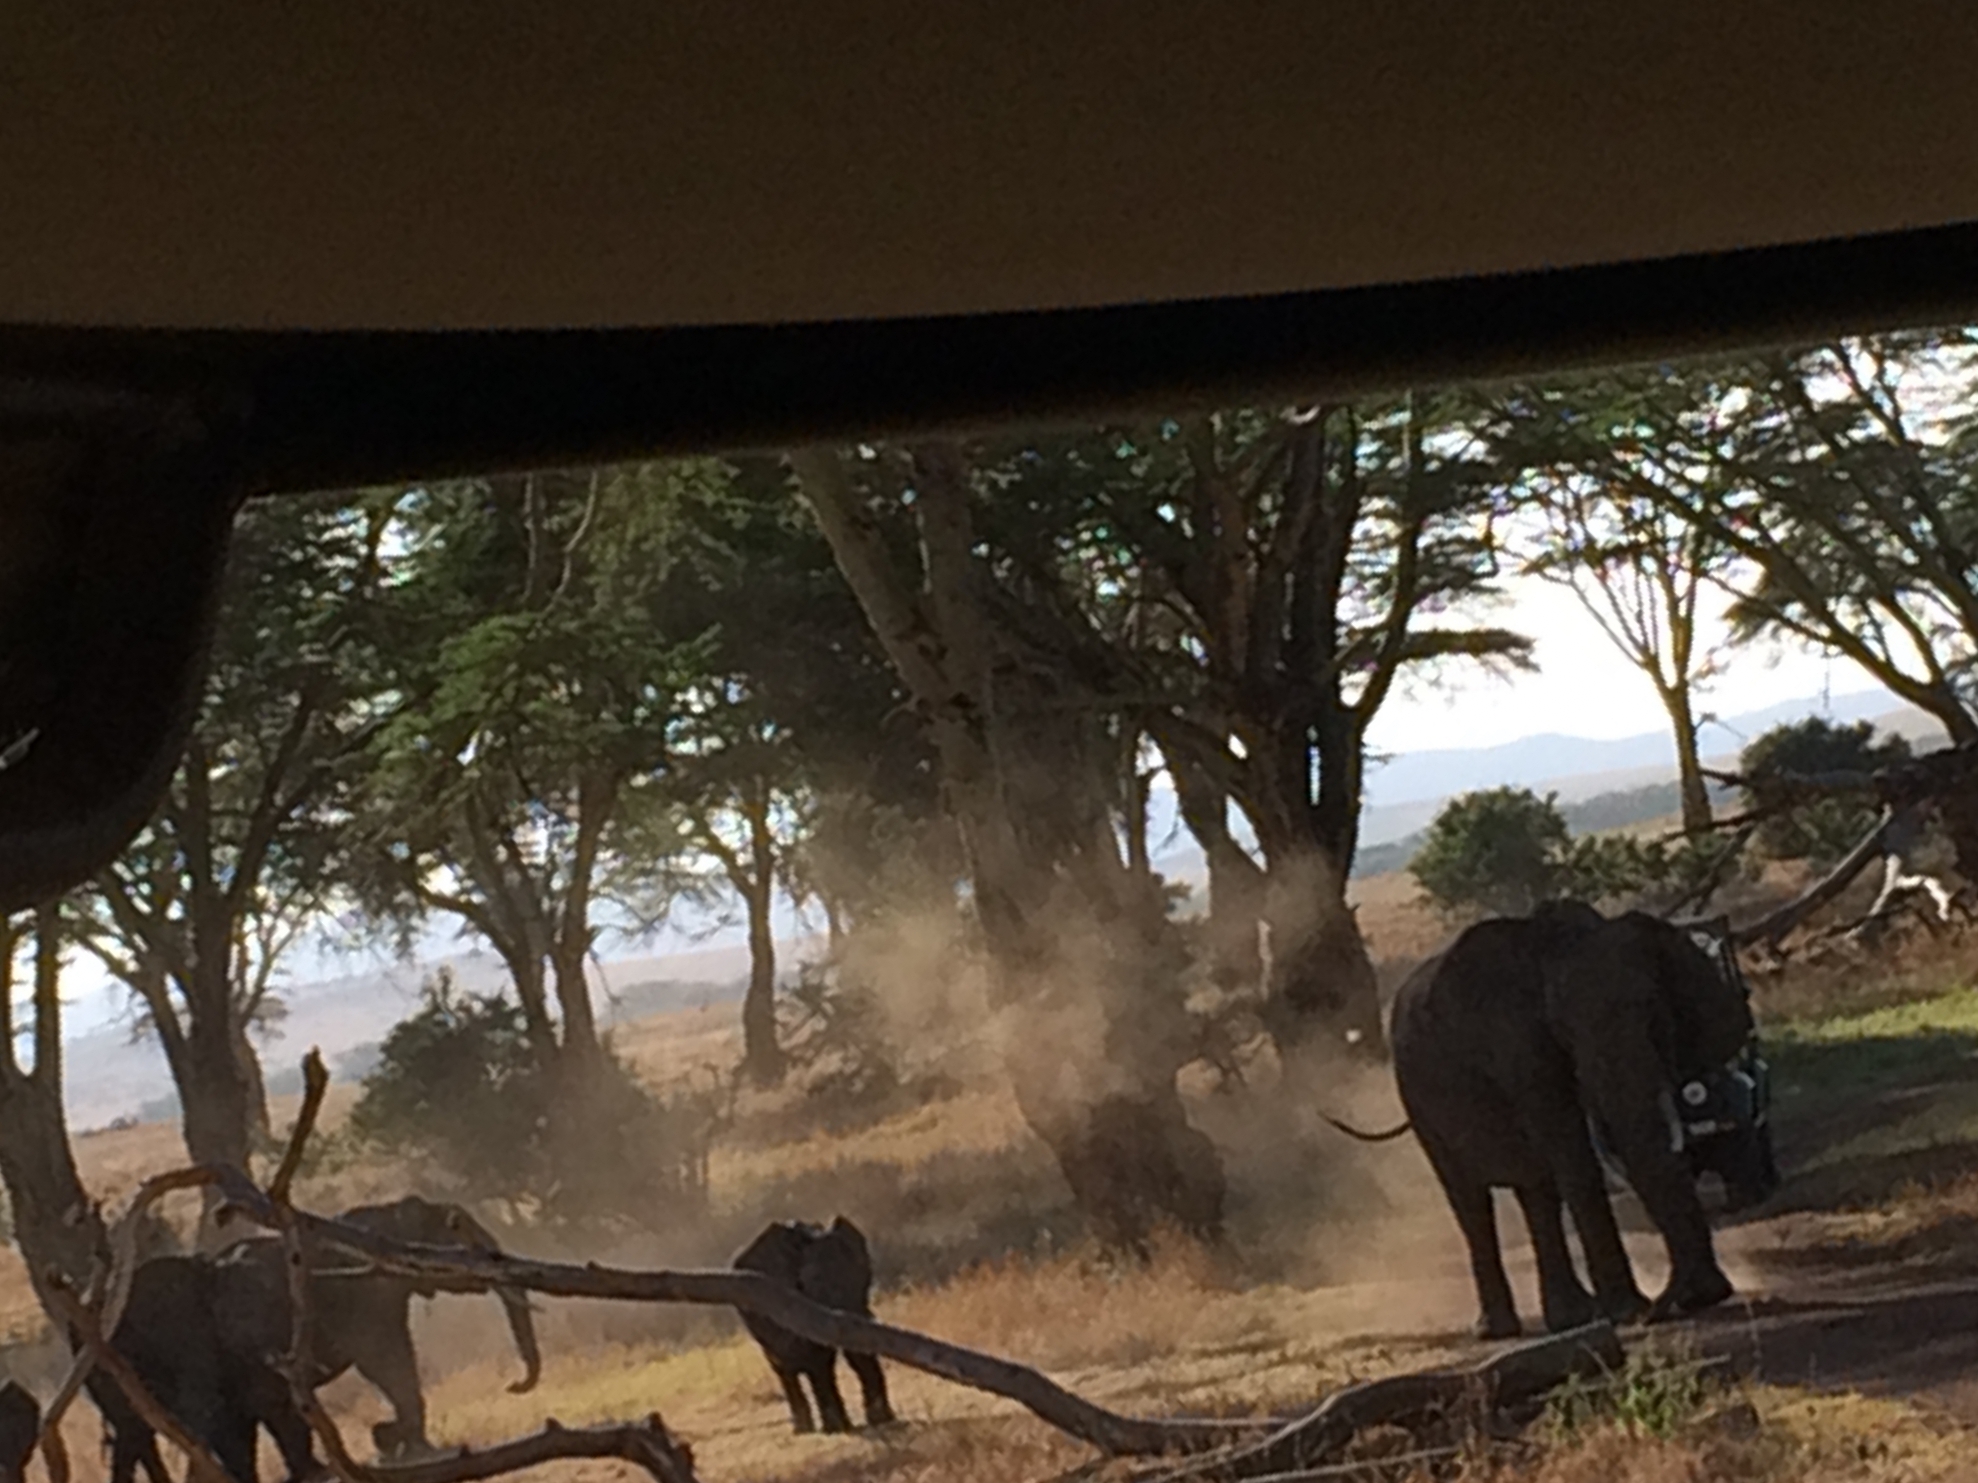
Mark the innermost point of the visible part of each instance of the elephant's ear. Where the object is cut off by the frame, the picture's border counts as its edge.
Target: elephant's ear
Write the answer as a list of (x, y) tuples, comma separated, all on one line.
[(1711, 1017)]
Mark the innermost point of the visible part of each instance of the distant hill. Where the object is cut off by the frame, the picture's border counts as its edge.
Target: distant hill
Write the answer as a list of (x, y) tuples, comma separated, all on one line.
[(1549, 757), (110, 1075), (1610, 797)]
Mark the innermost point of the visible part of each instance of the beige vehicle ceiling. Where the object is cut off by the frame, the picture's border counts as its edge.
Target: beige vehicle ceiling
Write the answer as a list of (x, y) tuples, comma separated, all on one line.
[(250, 248), (376, 164)]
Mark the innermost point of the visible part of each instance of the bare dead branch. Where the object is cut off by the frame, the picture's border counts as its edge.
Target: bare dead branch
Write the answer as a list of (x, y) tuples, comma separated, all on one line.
[(646, 1444), (1773, 927), (1509, 1378), (204, 1466), (1107, 1430), (315, 1083), (299, 1365)]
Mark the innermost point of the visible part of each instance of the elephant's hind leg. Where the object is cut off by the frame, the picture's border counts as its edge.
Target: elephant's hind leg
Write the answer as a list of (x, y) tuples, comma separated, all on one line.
[(793, 1392), (1564, 1302), (1471, 1204), (872, 1383), (389, 1362), (831, 1413)]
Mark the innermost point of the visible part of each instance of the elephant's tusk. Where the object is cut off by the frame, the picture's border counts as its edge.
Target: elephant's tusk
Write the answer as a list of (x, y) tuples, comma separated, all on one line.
[(1667, 1102)]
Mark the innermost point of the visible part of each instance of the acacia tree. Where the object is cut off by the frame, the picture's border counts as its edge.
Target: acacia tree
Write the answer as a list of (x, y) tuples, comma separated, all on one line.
[(1639, 570), (791, 701), (1079, 942), (539, 699), (196, 914), (1289, 568), (1848, 491), (735, 805), (1835, 479)]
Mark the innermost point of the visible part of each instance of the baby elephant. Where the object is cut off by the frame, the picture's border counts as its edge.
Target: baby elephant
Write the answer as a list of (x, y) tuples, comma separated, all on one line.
[(830, 1267)]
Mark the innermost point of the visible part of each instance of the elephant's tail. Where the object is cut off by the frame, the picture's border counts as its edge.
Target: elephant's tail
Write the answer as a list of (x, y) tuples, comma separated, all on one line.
[(1384, 1136)]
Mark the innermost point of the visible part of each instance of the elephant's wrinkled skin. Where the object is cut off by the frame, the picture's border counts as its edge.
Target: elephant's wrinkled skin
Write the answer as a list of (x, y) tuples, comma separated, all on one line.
[(362, 1318), (832, 1267), (1507, 1043), (170, 1334)]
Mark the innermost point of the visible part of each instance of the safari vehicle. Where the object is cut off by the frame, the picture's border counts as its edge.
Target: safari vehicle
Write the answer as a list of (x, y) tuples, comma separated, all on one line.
[(1715, 1116), (1735, 1098), (248, 249)]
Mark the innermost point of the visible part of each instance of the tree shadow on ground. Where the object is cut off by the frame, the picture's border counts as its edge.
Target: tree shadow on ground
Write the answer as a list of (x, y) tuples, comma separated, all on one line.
[(1915, 1341)]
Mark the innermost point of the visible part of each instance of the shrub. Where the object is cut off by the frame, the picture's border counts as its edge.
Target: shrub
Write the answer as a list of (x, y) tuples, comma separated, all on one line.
[(1501, 850), (1506, 850), (457, 1083), (1817, 830), (459, 1086), (835, 1032)]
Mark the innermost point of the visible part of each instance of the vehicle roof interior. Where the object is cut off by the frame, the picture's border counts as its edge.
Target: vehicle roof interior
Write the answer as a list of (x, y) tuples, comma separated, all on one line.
[(608, 163)]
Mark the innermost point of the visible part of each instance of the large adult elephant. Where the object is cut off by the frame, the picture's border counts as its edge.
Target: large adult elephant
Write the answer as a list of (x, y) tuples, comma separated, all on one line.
[(1510, 1041), (361, 1317)]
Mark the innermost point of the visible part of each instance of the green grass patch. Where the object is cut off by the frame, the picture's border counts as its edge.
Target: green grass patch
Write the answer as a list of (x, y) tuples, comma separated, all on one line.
[(1879, 1083)]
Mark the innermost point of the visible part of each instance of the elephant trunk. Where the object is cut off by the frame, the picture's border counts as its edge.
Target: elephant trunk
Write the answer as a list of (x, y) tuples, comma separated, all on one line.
[(522, 1324)]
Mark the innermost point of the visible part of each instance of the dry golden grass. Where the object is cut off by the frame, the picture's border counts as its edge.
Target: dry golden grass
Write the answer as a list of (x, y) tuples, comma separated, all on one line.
[(1347, 1267), (1758, 1435)]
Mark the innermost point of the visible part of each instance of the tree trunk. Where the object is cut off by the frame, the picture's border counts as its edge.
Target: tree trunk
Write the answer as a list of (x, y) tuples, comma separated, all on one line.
[(525, 971), (1236, 882), (214, 1095), (1098, 1027), (55, 1226), (1322, 992), (54, 1223), (581, 1047), (755, 879), (1689, 766), (762, 1057), (596, 792), (260, 1130)]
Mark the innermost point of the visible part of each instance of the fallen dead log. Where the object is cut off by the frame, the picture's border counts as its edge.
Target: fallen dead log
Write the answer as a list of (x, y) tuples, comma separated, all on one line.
[(1772, 928), (645, 1444), (1510, 1378), (1109, 1431)]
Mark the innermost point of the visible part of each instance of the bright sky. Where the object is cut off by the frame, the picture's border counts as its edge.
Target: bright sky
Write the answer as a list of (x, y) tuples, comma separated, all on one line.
[(1584, 687)]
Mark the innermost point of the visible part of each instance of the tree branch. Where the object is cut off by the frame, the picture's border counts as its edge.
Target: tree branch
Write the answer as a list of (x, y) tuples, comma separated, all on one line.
[(1107, 1430)]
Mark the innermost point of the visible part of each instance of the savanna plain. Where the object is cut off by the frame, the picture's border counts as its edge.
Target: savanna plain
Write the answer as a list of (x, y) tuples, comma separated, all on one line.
[(1853, 1344)]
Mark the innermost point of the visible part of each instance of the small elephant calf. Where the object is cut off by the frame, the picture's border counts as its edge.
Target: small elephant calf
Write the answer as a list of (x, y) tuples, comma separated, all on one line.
[(832, 1267)]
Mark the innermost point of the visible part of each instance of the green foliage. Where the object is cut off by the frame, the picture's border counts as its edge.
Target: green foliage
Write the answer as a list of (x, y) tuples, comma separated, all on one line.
[(1819, 830), (248, 845), (1625, 867), (835, 1031), (1835, 482), (1500, 850), (458, 1087), (1655, 1394), (1505, 850), (458, 1084)]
